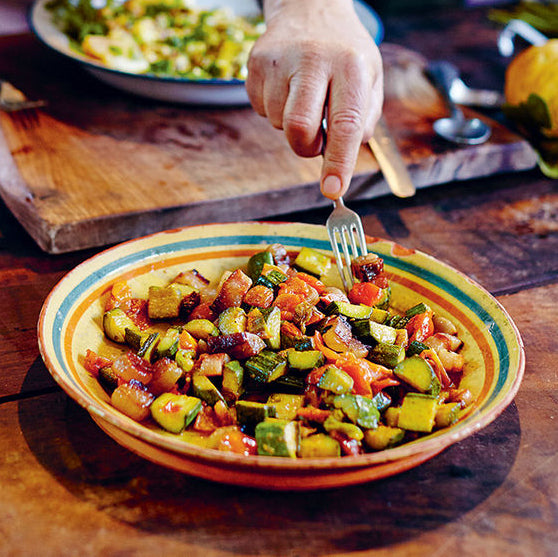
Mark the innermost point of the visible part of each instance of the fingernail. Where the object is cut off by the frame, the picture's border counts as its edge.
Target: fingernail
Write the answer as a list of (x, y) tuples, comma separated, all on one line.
[(331, 186)]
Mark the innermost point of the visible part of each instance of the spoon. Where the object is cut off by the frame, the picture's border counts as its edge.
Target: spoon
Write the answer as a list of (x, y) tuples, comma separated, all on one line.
[(456, 128)]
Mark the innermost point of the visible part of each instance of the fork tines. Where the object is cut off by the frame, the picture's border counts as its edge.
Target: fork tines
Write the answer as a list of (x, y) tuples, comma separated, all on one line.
[(345, 227)]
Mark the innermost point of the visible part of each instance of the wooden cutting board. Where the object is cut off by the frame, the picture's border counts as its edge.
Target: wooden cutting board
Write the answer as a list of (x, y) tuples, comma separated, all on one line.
[(98, 166)]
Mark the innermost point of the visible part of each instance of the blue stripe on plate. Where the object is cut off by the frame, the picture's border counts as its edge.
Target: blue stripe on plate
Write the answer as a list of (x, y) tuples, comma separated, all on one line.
[(224, 241)]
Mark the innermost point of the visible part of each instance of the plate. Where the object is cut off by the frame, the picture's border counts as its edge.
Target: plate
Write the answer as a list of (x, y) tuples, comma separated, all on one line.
[(215, 92), (70, 323)]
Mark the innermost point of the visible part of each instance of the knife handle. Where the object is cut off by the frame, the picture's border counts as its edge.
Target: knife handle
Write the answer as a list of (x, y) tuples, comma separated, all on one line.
[(391, 163)]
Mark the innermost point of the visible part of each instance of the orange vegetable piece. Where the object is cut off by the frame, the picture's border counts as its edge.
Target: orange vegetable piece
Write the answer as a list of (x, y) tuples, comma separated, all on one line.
[(366, 293), (420, 326)]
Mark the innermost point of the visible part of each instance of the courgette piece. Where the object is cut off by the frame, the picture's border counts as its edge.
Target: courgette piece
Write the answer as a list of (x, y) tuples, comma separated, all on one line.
[(352, 431), (383, 437), (201, 328), (277, 437), (351, 311), (256, 264), (336, 381), (360, 410), (416, 347), (418, 412), (379, 315), (203, 388), (301, 343), (306, 360), (271, 276), (383, 302), (164, 302), (175, 412), (108, 379), (418, 373), (388, 355), (233, 377), (250, 413), (232, 320), (168, 345), (391, 416), (417, 310), (447, 414), (286, 405), (312, 261), (319, 445), (266, 366), (290, 383), (148, 347), (115, 323), (372, 332)]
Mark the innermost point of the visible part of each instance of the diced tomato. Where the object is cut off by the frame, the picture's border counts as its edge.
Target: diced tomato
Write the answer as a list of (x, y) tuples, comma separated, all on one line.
[(420, 326), (93, 362), (120, 291), (381, 280), (366, 293), (206, 421), (314, 376), (315, 316)]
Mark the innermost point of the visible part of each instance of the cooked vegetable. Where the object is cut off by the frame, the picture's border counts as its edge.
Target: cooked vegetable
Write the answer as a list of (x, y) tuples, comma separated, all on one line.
[(272, 361)]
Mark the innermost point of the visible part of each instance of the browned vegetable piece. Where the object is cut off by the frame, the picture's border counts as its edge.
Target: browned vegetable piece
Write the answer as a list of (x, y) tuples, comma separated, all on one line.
[(165, 375), (133, 400), (338, 336), (211, 365), (192, 278), (170, 301), (232, 291), (366, 267), (238, 345)]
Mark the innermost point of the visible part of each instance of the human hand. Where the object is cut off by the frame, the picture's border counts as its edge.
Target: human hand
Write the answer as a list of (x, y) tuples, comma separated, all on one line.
[(315, 55)]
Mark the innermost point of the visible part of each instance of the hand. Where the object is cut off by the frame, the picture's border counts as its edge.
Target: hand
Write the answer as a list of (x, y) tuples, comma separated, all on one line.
[(315, 54)]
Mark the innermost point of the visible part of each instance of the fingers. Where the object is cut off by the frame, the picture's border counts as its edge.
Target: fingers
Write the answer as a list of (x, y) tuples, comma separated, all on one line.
[(304, 110), (349, 103)]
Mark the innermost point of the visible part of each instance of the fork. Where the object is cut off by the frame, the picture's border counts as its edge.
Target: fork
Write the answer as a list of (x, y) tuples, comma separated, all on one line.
[(347, 226)]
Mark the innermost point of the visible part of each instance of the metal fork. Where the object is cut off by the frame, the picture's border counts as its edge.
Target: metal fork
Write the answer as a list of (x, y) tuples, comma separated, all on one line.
[(344, 226)]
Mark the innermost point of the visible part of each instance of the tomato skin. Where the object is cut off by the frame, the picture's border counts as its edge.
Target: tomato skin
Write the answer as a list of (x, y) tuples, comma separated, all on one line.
[(366, 293), (420, 327), (93, 362)]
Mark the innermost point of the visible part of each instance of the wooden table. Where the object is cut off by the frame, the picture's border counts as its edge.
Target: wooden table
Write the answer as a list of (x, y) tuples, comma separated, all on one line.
[(67, 489)]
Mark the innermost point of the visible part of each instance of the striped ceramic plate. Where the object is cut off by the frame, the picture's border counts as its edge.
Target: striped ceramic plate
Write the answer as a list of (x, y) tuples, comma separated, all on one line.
[(70, 323)]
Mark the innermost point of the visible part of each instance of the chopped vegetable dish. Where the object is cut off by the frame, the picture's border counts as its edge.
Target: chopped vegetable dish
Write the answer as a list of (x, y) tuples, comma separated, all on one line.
[(171, 38), (273, 361)]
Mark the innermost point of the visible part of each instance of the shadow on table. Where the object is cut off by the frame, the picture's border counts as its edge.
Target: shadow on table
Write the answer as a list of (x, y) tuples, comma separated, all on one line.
[(184, 509)]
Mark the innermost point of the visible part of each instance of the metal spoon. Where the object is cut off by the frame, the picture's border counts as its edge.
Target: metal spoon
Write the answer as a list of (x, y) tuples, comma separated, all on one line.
[(456, 128)]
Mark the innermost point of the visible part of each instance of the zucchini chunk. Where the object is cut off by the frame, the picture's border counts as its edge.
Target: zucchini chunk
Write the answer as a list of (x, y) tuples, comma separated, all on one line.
[(418, 412), (306, 360), (175, 412), (319, 445), (388, 355), (360, 410), (250, 413), (115, 323), (286, 405), (203, 388), (447, 414), (257, 262), (418, 373), (278, 437), (232, 382), (336, 380), (164, 302), (351, 311), (266, 366), (383, 437), (312, 261)]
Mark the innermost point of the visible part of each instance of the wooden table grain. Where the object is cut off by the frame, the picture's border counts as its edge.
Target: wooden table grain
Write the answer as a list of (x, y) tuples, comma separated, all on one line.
[(66, 489)]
